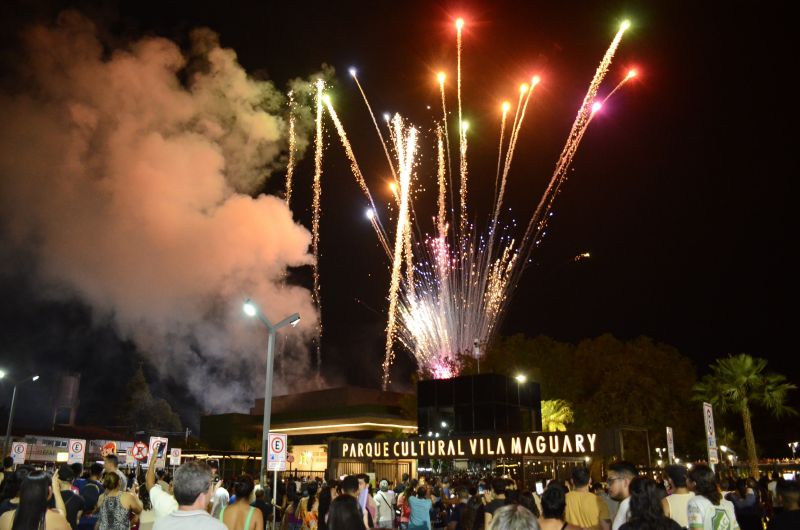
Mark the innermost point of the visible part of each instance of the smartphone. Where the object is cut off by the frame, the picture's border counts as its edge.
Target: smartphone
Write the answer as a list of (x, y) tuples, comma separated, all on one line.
[(539, 488)]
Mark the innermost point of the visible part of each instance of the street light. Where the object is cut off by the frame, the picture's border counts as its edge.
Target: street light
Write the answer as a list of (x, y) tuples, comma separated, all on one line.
[(252, 310), (520, 378), (30, 378)]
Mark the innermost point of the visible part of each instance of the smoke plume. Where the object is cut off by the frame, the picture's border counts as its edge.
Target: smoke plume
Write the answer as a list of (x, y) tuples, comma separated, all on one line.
[(129, 175)]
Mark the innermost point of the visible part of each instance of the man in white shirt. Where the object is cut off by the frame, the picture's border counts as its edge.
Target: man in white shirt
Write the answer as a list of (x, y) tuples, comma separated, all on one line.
[(620, 475), (193, 491), (163, 503), (220, 499)]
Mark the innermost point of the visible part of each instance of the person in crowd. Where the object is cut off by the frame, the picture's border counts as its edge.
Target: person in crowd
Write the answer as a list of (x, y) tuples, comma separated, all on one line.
[(513, 517), (456, 515), (240, 515), (220, 499), (262, 503), (161, 501), (789, 493), (350, 486), (344, 514), (646, 512), (402, 503), (420, 518), (32, 512), (620, 475), (554, 504), (598, 489), (385, 501), (115, 505), (163, 480), (148, 515), (365, 500), (11, 487), (8, 468), (292, 501), (707, 510), (73, 502), (192, 486), (93, 488), (527, 499), (585, 509), (403, 484), (80, 481), (772, 487), (675, 504), (497, 500), (111, 465), (308, 509), (745, 506)]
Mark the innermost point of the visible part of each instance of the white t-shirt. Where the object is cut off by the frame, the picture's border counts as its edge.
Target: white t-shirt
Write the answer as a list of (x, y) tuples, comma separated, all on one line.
[(385, 502), (163, 503), (189, 520), (219, 501), (706, 516), (622, 514), (678, 508)]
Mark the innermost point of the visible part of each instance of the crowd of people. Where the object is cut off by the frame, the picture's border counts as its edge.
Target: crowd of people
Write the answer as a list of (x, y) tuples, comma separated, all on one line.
[(102, 497)]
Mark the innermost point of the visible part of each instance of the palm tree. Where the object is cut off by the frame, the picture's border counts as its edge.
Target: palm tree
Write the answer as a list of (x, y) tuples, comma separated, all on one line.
[(556, 415), (738, 381)]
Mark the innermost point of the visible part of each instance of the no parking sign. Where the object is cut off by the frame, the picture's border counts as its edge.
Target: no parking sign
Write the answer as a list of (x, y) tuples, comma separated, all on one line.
[(18, 452), (77, 451), (276, 453)]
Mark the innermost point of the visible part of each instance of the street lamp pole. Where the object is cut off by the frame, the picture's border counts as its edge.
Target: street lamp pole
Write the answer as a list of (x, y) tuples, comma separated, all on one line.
[(252, 310), (11, 410)]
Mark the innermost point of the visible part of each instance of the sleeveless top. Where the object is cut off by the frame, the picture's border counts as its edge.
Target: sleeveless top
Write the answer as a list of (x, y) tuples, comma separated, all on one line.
[(246, 521), (113, 515), (678, 508), (310, 520)]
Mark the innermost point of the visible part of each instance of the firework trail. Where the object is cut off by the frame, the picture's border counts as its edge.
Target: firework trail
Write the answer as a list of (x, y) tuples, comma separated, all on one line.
[(405, 154), (631, 74), (317, 213), (505, 107), (538, 221), (441, 77), (354, 167), (374, 121), (441, 220), (462, 148), (292, 148), (512, 145)]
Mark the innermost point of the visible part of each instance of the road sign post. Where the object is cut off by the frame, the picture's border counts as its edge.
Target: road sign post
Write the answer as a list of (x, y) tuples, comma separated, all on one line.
[(18, 452), (276, 461), (711, 436)]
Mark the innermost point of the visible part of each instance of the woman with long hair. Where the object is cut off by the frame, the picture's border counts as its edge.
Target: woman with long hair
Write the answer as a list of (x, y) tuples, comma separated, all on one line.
[(345, 514), (326, 496), (707, 510), (746, 506), (308, 509), (646, 511), (240, 515), (32, 512), (290, 503), (115, 506), (148, 516)]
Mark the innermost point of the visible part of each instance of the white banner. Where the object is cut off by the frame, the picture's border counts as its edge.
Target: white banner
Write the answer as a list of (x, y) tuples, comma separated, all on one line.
[(670, 446), (77, 451), (711, 435)]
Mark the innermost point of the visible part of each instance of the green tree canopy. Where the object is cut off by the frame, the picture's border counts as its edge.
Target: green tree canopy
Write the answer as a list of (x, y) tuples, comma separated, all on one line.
[(737, 383), (142, 411)]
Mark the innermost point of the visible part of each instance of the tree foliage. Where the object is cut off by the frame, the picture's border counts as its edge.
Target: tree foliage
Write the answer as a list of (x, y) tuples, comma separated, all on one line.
[(609, 382), (142, 411), (737, 383), (557, 414)]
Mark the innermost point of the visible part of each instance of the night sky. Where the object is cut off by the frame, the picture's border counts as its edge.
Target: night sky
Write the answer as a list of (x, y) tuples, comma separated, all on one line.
[(679, 191)]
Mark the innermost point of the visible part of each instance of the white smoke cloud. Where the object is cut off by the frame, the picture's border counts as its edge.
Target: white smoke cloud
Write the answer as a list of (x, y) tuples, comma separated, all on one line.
[(131, 188)]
